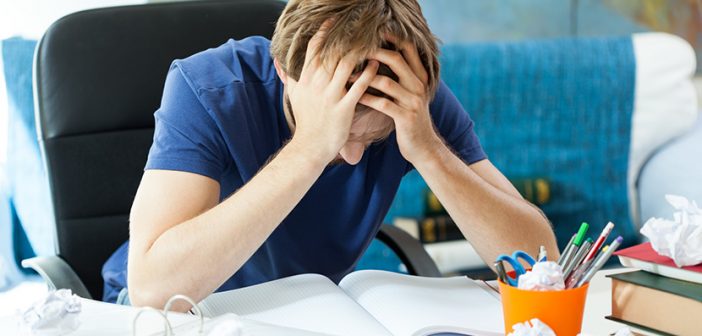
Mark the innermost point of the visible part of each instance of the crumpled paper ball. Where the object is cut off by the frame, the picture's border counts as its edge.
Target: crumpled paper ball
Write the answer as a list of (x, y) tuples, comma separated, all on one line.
[(681, 238), (544, 276), (56, 314), (533, 327)]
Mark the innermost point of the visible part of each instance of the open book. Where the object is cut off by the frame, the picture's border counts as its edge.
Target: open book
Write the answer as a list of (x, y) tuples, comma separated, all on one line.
[(366, 303)]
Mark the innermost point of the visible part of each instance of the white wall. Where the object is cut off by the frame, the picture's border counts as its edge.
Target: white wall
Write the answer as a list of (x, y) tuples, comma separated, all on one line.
[(31, 17)]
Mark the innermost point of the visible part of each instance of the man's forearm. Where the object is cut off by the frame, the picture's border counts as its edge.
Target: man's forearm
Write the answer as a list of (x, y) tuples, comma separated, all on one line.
[(494, 220), (197, 256)]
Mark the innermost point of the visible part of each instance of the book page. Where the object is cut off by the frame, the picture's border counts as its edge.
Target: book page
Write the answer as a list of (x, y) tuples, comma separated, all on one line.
[(411, 305), (307, 301), (229, 324)]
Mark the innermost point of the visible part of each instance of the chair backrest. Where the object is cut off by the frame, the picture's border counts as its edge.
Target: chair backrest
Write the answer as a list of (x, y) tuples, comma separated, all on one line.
[(99, 77)]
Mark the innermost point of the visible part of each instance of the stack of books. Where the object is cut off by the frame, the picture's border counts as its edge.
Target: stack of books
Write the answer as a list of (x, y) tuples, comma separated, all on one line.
[(660, 297)]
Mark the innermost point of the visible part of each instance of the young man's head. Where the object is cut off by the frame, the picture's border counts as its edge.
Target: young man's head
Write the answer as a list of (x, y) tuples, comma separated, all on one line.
[(359, 28)]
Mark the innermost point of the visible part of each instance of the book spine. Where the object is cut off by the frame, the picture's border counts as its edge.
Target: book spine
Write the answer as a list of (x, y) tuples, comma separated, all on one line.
[(438, 229)]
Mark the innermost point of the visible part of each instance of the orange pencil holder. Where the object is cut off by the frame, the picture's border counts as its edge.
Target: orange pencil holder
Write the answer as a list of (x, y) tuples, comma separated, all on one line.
[(560, 310)]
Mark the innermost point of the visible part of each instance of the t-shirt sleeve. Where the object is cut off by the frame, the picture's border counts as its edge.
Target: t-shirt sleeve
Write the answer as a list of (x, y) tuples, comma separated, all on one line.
[(455, 126), (186, 137)]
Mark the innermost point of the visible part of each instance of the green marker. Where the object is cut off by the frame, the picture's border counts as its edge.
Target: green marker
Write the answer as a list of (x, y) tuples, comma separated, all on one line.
[(572, 249), (581, 233)]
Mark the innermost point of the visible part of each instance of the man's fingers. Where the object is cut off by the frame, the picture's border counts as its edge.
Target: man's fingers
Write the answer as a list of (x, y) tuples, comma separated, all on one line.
[(389, 87), (399, 66), (361, 84), (411, 54), (342, 73), (313, 46), (380, 104)]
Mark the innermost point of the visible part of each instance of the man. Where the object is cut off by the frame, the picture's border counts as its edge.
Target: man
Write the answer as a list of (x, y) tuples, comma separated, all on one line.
[(278, 158)]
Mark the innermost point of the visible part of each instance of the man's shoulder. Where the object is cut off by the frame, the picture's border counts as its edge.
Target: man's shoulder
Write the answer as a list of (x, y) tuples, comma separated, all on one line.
[(246, 61)]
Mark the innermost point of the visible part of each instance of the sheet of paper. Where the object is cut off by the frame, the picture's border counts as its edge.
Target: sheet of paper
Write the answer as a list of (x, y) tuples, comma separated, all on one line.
[(229, 324), (410, 305), (307, 301)]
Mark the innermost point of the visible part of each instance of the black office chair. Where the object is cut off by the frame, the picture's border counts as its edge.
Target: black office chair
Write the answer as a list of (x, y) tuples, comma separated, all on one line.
[(99, 77)]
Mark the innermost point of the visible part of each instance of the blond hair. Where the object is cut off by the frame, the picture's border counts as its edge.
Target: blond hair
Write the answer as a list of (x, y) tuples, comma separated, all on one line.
[(359, 29)]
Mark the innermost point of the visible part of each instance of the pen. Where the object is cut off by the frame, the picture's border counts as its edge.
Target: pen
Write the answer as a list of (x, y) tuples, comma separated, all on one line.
[(576, 243), (578, 258), (600, 240), (542, 254), (600, 261), (592, 262), (577, 274), (567, 249)]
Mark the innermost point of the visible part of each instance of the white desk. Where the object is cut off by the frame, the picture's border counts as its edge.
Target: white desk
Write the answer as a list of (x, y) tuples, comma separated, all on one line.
[(100, 318)]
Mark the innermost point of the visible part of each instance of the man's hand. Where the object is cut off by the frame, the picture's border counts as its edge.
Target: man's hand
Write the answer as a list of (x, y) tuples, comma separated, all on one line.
[(410, 109), (322, 107)]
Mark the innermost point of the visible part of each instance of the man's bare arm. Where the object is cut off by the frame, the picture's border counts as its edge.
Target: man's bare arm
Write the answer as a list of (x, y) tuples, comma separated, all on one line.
[(182, 243), (487, 208)]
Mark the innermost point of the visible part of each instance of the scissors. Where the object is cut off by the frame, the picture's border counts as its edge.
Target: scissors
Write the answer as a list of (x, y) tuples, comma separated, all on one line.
[(513, 261)]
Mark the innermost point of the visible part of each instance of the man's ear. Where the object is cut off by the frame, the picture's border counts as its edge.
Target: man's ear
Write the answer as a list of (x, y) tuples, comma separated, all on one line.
[(279, 70)]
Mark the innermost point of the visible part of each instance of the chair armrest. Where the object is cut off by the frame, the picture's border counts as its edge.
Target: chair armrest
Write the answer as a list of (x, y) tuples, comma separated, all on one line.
[(57, 274), (409, 250)]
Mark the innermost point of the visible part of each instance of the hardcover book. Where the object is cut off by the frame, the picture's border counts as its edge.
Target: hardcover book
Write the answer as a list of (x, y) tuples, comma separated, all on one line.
[(654, 302), (645, 258)]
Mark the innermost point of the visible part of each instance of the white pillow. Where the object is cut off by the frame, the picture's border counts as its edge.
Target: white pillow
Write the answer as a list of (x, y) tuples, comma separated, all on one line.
[(665, 101)]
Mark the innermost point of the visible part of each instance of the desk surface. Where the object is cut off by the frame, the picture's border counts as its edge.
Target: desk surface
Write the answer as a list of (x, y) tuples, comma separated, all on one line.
[(100, 318), (95, 315)]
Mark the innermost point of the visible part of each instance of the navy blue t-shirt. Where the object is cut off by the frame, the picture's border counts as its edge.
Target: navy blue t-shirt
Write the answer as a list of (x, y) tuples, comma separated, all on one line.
[(222, 116)]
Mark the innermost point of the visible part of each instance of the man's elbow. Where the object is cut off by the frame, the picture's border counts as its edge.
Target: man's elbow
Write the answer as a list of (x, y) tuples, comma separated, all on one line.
[(142, 294), (153, 295)]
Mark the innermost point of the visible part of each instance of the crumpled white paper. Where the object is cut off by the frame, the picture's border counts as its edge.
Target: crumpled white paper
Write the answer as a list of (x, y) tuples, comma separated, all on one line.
[(544, 276), (681, 238), (56, 314), (536, 328), (227, 328)]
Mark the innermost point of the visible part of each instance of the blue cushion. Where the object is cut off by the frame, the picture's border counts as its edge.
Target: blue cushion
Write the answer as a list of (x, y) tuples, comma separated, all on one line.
[(9, 271), (675, 169), (556, 108), (26, 186)]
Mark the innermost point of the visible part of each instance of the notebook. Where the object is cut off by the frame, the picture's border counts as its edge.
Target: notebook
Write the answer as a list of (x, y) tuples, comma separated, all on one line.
[(645, 258), (367, 302)]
